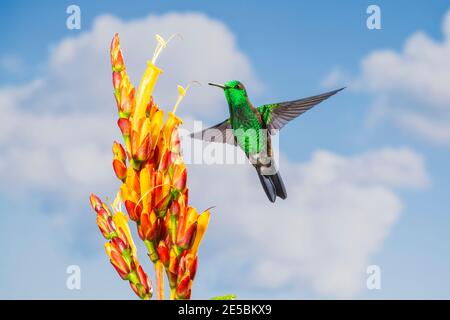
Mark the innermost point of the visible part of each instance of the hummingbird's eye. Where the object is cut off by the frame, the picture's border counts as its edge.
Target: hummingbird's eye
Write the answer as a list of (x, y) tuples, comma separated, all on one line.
[(239, 86)]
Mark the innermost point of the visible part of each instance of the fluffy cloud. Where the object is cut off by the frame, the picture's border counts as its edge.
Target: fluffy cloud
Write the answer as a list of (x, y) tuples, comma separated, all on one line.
[(57, 132), (411, 86), (65, 120), (208, 53), (338, 213)]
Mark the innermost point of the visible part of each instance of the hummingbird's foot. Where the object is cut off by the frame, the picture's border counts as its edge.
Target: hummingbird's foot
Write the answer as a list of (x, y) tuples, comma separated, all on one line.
[(268, 171), (265, 163)]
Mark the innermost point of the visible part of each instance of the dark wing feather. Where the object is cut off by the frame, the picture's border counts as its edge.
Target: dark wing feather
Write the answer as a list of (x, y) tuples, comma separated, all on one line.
[(276, 115), (221, 132)]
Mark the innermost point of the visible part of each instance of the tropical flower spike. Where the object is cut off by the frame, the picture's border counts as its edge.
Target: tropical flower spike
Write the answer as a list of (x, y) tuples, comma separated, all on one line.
[(153, 190), (120, 248)]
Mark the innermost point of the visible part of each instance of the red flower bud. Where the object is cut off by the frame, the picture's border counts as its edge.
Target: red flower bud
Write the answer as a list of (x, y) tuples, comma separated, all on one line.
[(124, 126), (116, 77), (191, 265), (145, 281), (181, 267), (143, 151), (120, 169), (119, 152), (116, 55), (133, 211), (183, 287), (119, 264), (179, 178), (114, 42), (126, 102), (146, 229), (186, 238), (106, 226), (175, 208), (172, 277), (123, 237), (165, 161), (162, 205), (103, 213), (96, 203), (173, 262), (163, 253), (119, 244)]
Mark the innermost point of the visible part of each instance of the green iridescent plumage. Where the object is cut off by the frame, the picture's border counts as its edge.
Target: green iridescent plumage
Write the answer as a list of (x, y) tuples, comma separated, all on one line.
[(250, 128), (244, 121), (266, 112)]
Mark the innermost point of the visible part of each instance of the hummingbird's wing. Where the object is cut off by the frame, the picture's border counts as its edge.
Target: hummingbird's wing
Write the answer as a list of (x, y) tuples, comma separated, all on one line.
[(276, 115), (221, 132)]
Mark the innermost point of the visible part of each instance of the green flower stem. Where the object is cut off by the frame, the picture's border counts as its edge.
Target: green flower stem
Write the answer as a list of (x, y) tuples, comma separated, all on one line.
[(151, 251)]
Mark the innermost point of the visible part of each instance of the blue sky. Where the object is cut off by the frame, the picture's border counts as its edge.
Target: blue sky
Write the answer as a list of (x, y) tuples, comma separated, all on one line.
[(290, 50)]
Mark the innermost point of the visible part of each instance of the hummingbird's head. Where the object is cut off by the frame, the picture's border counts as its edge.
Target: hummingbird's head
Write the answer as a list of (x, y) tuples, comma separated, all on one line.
[(234, 91)]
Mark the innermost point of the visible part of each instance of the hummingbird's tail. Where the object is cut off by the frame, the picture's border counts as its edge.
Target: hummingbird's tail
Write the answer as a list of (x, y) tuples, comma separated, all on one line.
[(273, 186), (268, 186), (279, 185)]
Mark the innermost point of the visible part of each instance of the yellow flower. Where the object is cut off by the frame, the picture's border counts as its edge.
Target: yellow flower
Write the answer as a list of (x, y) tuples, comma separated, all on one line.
[(153, 190)]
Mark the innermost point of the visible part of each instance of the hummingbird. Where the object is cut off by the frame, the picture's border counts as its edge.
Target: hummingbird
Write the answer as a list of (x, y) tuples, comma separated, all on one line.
[(251, 128)]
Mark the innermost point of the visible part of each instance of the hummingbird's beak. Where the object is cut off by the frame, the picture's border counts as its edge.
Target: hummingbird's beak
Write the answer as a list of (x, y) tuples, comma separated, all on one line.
[(217, 85)]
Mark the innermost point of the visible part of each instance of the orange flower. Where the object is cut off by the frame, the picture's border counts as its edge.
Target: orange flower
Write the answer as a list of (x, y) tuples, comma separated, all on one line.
[(184, 287), (123, 89), (142, 287), (154, 188), (163, 253), (119, 152), (120, 247), (147, 229)]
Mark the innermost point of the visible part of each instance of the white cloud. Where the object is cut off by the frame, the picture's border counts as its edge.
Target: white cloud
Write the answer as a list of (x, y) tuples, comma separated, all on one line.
[(411, 86), (338, 213), (208, 53), (57, 132), (437, 130), (59, 128)]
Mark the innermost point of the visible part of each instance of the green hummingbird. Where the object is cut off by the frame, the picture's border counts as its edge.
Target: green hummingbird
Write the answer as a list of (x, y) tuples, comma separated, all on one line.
[(251, 128)]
